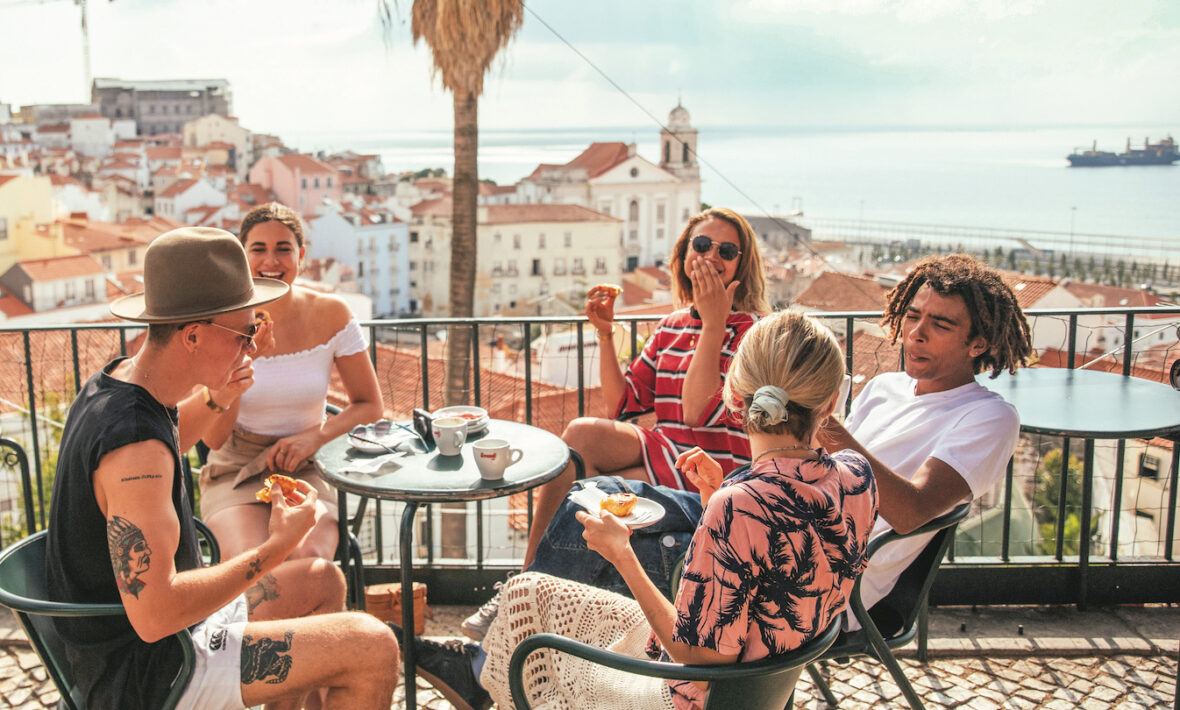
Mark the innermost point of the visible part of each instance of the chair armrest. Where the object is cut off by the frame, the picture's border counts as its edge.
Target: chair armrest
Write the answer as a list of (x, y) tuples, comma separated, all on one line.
[(210, 539), (801, 656), (952, 517)]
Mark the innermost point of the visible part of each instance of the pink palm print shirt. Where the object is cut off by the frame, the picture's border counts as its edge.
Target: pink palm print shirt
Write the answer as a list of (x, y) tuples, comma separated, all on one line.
[(774, 558)]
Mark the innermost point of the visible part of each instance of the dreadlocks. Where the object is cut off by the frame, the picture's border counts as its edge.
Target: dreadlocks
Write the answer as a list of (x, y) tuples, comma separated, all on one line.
[(995, 315)]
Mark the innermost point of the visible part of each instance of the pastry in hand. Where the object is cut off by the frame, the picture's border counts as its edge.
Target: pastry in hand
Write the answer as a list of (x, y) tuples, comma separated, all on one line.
[(286, 484), (609, 289), (620, 504), (262, 344)]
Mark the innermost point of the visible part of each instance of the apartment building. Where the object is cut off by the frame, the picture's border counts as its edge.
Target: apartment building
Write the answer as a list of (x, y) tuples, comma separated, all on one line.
[(527, 256), (161, 106)]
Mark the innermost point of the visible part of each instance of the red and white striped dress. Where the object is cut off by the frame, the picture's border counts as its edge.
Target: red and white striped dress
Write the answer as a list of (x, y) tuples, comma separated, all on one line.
[(655, 380)]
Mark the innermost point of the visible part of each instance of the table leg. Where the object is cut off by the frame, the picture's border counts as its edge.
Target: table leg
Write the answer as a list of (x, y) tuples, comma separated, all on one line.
[(1084, 535), (342, 532), (407, 560)]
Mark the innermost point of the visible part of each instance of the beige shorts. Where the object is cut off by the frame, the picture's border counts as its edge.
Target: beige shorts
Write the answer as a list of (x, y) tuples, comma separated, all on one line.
[(236, 471), (217, 671)]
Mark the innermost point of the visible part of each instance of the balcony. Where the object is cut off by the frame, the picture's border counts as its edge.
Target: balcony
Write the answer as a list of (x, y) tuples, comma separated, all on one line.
[(1021, 545), (1014, 553)]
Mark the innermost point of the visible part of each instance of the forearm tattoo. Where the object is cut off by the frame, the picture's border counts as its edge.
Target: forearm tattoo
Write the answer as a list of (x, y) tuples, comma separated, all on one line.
[(255, 568), (266, 590), (266, 659), (130, 555)]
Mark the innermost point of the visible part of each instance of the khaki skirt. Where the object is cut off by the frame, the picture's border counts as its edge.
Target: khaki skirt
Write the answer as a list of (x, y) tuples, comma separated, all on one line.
[(236, 471)]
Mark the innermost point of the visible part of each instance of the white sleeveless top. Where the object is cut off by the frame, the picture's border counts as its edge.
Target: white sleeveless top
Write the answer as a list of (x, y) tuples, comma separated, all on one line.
[(290, 390)]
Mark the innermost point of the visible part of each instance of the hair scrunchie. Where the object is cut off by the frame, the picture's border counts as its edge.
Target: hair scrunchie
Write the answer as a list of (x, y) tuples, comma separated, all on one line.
[(772, 402)]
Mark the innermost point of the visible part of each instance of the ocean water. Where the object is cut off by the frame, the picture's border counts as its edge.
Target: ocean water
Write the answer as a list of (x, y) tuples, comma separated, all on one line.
[(1010, 178)]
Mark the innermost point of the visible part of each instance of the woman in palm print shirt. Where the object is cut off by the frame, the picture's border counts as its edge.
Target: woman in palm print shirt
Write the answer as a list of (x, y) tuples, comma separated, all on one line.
[(770, 565)]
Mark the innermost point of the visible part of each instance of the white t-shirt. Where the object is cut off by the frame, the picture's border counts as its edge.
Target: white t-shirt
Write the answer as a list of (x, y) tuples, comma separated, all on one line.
[(290, 390), (969, 428)]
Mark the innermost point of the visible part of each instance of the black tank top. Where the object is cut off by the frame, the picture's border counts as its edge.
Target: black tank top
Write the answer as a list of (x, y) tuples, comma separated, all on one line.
[(113, 667)]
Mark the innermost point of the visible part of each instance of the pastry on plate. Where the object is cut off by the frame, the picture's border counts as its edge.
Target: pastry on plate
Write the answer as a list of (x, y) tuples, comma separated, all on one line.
[(620, 504)]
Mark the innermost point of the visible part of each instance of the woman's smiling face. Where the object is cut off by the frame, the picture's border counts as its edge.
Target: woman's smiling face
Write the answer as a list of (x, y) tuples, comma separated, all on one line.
[(720, 231), (273, 251)]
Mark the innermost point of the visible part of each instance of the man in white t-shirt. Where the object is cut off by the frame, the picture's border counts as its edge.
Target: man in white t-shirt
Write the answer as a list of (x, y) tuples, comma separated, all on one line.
[(933, 435)]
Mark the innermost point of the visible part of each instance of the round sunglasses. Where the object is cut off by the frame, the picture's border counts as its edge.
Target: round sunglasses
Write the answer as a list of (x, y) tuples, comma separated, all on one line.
[(726, 250)]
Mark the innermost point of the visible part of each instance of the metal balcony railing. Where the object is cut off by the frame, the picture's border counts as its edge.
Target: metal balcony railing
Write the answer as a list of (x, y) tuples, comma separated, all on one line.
[(1021, 544)]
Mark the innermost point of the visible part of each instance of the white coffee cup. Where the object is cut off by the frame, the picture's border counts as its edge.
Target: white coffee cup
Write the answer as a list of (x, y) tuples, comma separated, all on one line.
[(493, 456), (449, 434)]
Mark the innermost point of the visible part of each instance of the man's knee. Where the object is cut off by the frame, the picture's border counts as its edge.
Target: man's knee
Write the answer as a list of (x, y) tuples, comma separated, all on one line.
[(376, 638)]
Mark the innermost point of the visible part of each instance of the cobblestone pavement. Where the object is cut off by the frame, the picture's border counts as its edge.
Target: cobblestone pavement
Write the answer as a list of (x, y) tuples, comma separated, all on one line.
[(1126, 682)]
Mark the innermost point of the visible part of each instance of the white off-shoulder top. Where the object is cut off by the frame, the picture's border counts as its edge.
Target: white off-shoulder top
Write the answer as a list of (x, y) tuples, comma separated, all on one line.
[(290, 390)]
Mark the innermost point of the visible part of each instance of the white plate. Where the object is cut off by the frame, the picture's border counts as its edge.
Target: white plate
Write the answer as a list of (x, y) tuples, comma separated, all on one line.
[(393, 439), (643, 514), (474, 426)]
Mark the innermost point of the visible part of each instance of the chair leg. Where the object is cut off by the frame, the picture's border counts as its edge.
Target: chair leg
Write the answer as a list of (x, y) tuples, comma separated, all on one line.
[(818, 679), (923, 632), (886, 657)]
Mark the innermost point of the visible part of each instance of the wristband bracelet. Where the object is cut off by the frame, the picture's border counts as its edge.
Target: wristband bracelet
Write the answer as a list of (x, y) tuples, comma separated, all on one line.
[(607, 336), (210, 403)]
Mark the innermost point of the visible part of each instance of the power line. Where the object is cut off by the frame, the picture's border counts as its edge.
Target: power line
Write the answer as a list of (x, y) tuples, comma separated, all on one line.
[(757, 205)]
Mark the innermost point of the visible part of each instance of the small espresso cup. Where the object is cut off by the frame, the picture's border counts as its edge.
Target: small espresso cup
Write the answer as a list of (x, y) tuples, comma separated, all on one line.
[(493, 456), (449, 434)]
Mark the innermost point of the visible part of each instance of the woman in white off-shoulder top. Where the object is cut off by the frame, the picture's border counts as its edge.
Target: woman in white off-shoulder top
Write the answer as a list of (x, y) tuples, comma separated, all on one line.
[(278, 424)]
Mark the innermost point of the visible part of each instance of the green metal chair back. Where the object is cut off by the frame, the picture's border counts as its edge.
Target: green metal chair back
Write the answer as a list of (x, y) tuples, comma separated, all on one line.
[(895, 620), (765, 684), (23, 589)]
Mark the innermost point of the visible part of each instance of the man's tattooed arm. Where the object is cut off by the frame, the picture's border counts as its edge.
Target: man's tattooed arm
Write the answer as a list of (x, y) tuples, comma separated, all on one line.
[(130, 555)]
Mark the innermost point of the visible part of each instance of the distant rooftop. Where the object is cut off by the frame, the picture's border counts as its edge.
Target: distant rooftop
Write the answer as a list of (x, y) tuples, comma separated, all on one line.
[(160, 85)]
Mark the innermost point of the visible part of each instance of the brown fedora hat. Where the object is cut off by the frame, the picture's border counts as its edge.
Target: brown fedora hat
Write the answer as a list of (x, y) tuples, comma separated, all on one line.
[(192, 273)]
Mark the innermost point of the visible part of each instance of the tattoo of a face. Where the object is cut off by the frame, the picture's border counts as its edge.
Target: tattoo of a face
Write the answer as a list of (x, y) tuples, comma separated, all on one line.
[(266, 659), (255, 568), (266, 590), (130, 555)]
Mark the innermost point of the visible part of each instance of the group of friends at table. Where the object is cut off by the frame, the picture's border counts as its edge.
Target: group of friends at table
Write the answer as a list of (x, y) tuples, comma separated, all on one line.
[(769, 499)]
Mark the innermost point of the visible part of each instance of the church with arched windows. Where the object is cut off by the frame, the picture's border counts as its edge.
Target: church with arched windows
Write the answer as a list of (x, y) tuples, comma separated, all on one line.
[(652, 200)]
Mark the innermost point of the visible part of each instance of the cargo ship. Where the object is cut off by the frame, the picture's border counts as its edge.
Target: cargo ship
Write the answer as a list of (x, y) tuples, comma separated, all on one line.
[(1162, 153)]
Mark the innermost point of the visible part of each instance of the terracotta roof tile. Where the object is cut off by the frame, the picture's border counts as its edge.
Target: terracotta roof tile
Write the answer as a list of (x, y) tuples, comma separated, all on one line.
[(1028, 289), (12, 306), (304, 164), (833, 291), (440, 207), (164, 153), (7, 178), (599, 158), (177, 188), (60, 267)]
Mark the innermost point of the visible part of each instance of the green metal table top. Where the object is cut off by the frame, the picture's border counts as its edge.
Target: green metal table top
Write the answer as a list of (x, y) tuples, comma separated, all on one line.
[(433, 478), (1086, 403)]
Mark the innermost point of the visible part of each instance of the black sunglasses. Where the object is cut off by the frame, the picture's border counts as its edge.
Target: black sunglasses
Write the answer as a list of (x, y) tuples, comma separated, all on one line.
[(247, 337), (726, 250)]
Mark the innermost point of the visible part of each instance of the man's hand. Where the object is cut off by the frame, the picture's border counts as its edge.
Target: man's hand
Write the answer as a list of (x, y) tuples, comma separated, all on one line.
[(240, 380), (605, 535), (290, 522), (712, 299), (832, 436), (702, 470)]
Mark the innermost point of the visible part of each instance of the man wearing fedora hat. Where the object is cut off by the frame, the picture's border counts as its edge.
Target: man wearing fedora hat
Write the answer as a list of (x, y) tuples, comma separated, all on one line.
[(266, 630)]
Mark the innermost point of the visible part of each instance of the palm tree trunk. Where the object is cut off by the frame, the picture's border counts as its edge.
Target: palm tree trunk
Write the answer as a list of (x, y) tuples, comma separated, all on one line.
[(463, 249)]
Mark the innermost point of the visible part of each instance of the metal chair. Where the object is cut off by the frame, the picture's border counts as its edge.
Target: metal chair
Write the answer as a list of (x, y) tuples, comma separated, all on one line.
[(895, 620), (23, 589), (765, 684)]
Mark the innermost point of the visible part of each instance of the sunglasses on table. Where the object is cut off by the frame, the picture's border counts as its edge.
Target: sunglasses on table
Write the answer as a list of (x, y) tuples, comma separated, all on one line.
[(726, 250)]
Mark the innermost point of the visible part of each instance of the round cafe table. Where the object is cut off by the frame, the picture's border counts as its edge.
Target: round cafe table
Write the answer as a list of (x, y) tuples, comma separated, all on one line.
[(429, 477), (1091, 405)]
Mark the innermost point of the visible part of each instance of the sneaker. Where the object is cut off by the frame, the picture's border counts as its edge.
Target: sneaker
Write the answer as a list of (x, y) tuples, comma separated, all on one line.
[(447, 667), (476, 625)]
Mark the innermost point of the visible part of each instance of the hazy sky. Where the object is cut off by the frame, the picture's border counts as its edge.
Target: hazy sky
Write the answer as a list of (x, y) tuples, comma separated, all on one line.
[(295, 66)]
